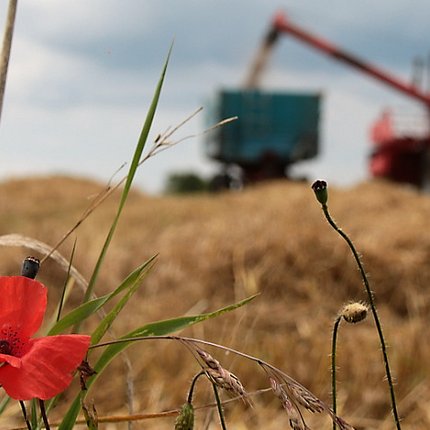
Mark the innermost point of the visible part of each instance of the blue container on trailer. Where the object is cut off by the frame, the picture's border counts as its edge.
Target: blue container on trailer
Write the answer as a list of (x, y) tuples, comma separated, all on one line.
[(282, 125)]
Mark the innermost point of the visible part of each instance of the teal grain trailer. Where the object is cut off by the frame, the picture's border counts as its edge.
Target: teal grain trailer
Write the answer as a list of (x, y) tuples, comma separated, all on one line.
[(273, 130)]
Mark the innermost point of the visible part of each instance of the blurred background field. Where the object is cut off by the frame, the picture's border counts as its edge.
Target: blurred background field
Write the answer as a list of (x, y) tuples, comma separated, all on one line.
[(215, 249)]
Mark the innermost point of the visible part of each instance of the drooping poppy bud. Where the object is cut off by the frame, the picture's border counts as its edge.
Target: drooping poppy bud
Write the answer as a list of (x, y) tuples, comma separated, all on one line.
[(320, 190), (185, 420)]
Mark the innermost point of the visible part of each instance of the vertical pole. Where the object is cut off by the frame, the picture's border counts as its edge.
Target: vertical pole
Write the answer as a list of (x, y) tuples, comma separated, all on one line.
[(5, 53)]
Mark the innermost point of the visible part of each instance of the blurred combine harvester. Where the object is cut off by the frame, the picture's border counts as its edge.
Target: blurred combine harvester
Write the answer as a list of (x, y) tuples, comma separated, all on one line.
[(275, 130)]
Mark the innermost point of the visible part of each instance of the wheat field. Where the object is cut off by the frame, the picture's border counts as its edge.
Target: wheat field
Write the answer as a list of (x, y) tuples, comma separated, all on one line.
[(215, 249)]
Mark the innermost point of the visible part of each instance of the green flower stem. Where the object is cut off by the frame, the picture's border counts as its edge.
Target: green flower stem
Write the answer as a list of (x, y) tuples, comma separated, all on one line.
[(333, 366), (219, 407), (374, 313)]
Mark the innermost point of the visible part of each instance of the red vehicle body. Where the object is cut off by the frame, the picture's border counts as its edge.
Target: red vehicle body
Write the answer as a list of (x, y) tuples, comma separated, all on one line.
[(397, 155)]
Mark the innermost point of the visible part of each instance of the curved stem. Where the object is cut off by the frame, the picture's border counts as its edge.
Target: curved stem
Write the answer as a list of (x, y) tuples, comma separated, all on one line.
[(193, 383), (219, 407), (333, 366), (374, 313)]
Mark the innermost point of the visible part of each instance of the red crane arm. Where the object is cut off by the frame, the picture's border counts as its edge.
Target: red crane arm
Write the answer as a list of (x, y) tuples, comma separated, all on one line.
[(281, 24)]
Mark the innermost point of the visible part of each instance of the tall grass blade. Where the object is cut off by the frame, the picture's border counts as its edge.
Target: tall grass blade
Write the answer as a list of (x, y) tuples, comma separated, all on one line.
[(131, 173), (70, 418)]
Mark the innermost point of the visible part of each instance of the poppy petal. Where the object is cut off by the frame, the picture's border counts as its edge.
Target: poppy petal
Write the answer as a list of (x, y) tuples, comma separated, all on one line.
[(46, 369), (10, 359), (22, 305)]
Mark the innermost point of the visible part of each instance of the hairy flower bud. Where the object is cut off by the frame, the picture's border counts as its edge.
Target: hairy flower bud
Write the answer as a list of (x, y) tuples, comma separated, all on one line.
[(185, 420), (354, 312)]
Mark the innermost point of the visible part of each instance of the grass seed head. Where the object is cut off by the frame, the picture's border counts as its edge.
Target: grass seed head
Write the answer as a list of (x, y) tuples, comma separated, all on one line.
[(305, 398), (294, 416), (221, 377), (292, 395)]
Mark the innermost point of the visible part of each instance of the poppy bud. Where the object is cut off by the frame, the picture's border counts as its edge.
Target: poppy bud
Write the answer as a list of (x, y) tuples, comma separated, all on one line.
[(185, 420), (320, 190), (30, 267), (354, 312)]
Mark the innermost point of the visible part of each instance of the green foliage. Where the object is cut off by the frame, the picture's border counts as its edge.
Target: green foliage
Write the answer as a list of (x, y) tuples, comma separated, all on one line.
[(79, 314), (158, 328), (70, 418), (183, 183), (132, 283)]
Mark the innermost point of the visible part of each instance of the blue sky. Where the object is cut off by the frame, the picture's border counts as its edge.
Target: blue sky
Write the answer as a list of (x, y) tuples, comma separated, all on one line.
[(82, 74)]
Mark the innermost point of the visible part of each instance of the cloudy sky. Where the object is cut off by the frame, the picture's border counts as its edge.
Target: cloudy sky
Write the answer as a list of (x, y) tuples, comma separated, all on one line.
[(82, 75)]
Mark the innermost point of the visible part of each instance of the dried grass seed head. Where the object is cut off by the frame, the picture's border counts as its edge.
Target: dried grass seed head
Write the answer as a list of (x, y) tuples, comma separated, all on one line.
[(305, 398), (222, 377), (294, 416)]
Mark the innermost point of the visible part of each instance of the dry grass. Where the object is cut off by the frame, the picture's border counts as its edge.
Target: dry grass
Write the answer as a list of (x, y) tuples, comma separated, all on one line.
[(215, 249)]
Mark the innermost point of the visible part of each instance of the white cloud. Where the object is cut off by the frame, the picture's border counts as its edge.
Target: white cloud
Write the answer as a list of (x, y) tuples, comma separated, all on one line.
[(82, 75)]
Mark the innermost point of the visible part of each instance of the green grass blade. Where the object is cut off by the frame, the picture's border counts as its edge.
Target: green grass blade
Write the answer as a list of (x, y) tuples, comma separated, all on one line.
[(133, 286), (3, 404), (70, 417), (87, 309), (159, 328), (79, 314), (153, 329), (133, 167)]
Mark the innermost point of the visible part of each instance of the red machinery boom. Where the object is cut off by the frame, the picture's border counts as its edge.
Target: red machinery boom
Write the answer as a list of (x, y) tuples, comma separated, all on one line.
[(281, 24)]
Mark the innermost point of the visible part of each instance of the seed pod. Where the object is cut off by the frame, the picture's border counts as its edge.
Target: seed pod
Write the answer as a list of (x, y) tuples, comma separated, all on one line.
[(30, 267), (320, 190), (185, 420)]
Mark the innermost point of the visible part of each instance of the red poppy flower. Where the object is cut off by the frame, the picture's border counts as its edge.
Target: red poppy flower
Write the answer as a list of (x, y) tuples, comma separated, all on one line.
[(33, 368)]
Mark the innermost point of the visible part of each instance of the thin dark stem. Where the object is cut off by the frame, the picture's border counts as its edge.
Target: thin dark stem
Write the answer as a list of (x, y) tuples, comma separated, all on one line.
[(374, 313), (63, 292), (333, 366), (193, 384), (219, 407), (24, 413), (43, 413)]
